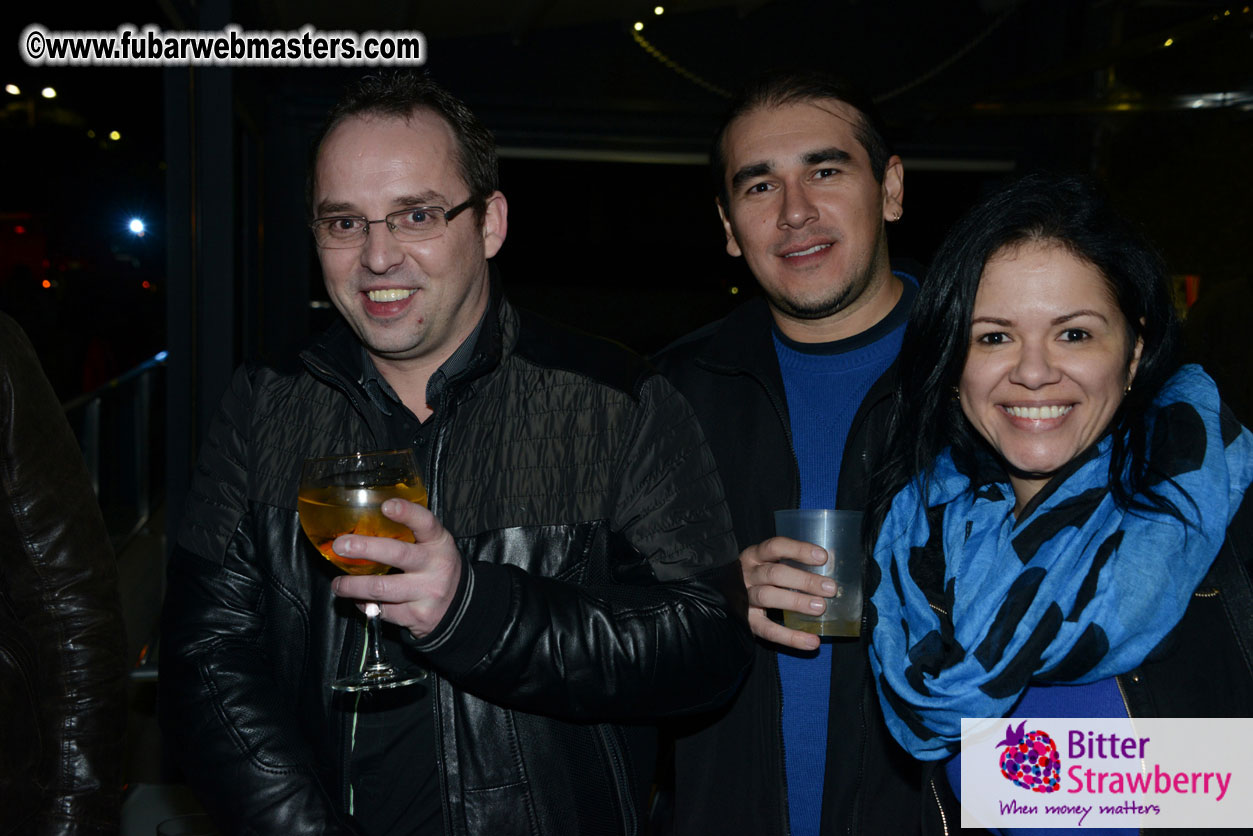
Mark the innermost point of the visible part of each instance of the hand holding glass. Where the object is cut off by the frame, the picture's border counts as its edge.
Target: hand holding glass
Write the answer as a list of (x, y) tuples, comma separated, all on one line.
[(839, 532), (344, 495)]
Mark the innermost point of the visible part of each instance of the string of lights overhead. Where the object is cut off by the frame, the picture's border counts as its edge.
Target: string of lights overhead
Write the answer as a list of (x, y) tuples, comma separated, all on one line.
[(670, 63), (675, 66), (949, 61), (638, 27)]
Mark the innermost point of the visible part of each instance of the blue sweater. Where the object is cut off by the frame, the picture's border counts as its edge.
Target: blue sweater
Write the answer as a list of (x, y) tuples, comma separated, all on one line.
[(825, 384)]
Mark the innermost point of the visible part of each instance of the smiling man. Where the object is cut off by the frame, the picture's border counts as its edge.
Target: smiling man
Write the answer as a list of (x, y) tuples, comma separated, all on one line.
[(573, 581), (792, 390)]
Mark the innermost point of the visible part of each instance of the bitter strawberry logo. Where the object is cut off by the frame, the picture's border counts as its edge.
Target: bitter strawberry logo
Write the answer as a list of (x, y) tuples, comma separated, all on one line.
[(1030, 759)]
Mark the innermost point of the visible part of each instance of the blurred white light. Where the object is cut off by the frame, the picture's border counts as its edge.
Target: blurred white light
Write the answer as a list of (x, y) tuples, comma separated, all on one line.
[(659, 10), (13, 89), (114, 135), (48, 93), (639, 27), (137, 226)]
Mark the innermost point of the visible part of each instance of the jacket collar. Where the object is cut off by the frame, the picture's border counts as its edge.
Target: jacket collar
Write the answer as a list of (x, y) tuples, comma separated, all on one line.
[(743, 343)]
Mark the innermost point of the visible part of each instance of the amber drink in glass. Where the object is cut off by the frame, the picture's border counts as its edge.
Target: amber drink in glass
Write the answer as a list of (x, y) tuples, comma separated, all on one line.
[(344, 495)]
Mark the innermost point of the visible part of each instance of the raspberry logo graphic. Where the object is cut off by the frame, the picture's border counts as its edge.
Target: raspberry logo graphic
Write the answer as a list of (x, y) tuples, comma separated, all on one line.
[(1030, 760)]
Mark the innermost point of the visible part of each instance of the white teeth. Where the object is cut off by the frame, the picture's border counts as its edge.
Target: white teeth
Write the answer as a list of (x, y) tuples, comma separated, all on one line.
[(392, 294), (1035, 413), (815, 248)]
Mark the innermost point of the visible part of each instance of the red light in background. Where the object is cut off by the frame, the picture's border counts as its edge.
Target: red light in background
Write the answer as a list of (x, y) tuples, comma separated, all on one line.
[(47, 283), (1191, 289), (19, 229), (147, 284)]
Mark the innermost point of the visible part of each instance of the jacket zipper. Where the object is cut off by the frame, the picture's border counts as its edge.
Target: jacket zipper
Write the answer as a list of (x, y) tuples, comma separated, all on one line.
[(785, 813), (1126, 704), (332, 379), (780, 413), (433, 498), (621, 784), (935, 793), (856, 824), (354, 631), (1123, 693)]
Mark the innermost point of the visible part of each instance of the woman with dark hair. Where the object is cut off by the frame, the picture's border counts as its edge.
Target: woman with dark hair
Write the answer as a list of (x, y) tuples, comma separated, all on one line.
[(1057, 487)]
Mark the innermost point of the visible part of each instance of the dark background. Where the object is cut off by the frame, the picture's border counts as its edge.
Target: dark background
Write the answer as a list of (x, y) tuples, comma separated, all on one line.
[(604, 136)]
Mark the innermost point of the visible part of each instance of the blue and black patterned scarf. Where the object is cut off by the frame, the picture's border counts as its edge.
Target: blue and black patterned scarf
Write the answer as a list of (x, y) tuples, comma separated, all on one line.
[(1076, 591)]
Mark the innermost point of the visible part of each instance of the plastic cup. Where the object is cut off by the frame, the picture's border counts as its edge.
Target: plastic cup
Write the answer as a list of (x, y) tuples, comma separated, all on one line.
[(839, 532)]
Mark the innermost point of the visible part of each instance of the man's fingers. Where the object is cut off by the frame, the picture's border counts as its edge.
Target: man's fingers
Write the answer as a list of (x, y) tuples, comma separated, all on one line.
[(776, 598), (381, 588), (385, 550), (764, 628), (782, 576), (418, 596), (783, 548), (424, 525)]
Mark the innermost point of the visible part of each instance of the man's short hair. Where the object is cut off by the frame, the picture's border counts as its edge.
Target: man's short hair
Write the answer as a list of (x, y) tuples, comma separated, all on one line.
[(402, 93), (777, 88)]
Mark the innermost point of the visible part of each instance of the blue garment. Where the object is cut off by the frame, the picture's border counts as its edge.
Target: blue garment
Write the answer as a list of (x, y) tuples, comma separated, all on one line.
[(825, 384), (1031, 597)]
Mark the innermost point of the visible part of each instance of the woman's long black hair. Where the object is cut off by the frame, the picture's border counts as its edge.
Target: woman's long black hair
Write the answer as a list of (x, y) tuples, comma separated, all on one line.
[(1047, 208)]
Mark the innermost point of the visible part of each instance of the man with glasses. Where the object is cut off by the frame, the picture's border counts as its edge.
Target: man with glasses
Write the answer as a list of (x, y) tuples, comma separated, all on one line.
[(574, 578)]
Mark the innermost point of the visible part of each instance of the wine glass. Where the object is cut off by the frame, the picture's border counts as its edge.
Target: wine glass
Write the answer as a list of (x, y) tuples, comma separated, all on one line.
[(344, 495)]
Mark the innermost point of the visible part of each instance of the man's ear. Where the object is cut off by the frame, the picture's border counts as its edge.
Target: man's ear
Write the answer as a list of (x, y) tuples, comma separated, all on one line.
[(495, 223), (733, 246), (893, 189)]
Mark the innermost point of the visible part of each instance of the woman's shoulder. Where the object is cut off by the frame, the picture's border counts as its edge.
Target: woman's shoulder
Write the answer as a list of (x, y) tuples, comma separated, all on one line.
[(1204, 667), (1240, 534)]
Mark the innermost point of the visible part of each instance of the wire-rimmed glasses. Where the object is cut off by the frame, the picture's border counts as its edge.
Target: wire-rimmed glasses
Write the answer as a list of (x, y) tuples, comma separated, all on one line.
[(414, 223)]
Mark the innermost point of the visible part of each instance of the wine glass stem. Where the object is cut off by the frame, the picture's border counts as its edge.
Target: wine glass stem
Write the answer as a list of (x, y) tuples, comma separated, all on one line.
[(376, 660)]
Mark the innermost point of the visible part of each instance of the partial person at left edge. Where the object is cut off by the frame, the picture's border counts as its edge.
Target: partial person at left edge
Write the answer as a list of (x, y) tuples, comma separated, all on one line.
[(574, 580), (62, 640)]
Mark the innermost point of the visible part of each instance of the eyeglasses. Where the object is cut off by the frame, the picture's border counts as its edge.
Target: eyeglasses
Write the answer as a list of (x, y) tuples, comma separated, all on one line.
[(416, 223)]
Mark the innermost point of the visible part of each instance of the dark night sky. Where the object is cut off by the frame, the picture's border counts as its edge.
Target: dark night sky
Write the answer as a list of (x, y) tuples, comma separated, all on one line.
[(1040, 83)]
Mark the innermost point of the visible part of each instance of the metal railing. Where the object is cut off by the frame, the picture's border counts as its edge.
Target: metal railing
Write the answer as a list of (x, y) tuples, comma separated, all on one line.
[(119, 428)]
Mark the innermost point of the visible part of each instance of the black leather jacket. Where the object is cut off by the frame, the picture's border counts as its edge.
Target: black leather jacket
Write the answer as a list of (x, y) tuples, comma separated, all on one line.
[(730, 374), (600, 591), (62, 643)]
